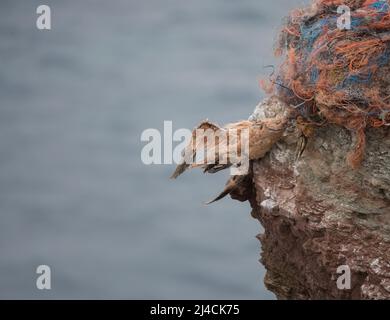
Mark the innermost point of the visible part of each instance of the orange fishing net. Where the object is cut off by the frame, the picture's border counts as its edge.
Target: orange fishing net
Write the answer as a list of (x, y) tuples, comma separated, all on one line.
[(337, 74)]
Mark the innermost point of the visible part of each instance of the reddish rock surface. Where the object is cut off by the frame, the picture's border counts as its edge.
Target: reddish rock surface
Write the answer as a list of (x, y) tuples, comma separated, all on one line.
[(319, 214)]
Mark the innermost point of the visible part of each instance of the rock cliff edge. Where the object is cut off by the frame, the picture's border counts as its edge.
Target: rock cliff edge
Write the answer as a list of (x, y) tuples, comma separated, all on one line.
[(319, 214)]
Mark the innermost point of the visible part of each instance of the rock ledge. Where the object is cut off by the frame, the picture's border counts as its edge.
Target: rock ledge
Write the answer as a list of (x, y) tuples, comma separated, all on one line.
[(319, 214)]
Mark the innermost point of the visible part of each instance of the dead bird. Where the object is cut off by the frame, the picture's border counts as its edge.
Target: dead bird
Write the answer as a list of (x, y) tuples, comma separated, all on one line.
[(214, 148)]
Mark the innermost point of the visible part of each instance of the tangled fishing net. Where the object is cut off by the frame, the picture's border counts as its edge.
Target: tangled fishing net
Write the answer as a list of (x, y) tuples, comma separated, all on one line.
[(335, 75)]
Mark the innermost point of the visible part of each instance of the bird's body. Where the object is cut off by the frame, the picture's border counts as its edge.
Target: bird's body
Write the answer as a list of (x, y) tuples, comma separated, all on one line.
[(230, 145)]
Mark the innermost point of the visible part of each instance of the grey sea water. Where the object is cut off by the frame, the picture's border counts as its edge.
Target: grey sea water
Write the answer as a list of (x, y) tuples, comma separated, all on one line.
[(74, 101)]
